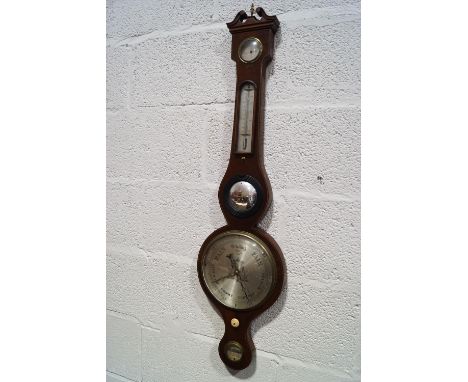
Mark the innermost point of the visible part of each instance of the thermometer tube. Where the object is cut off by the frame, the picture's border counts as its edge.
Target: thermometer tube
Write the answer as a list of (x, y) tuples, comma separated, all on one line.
[(246, 108)]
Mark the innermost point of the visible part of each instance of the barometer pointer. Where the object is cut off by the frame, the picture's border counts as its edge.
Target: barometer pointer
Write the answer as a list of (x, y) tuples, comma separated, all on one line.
[(243, 288)]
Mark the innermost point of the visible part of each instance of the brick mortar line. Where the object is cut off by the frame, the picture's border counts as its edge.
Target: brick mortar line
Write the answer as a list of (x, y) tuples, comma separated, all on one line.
[(309, 17), (280, 358), (139, 322), (167, 257), (140, 347), (126, 316), (121, 376), (313, 194), (162, 183), (227, 106), (329, 370), (316, 194), (204, 160)]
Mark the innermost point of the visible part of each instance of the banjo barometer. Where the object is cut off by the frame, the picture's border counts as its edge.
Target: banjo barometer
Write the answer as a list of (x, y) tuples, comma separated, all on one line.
[(240, 266)]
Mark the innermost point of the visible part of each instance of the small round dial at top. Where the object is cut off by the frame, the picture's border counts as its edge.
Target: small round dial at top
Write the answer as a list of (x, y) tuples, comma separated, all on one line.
[(250, 49), (238, 269)]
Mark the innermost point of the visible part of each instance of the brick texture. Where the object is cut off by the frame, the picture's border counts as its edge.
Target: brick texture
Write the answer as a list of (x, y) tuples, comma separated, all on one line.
[(170, 93)]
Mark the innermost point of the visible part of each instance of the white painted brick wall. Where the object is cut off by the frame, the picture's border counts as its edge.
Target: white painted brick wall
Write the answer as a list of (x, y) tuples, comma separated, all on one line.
[(170, 92)]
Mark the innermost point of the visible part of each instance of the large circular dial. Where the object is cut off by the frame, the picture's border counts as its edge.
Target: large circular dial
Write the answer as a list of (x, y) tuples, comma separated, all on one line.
[(250, 49), (238, 269)]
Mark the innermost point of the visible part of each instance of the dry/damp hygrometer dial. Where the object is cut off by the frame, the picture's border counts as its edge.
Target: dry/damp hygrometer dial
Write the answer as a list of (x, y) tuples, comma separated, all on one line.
[(240, 267)]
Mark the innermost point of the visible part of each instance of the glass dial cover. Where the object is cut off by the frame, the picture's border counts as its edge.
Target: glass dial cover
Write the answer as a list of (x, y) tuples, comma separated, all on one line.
[(250, 49), (238, 269), (242, 196)]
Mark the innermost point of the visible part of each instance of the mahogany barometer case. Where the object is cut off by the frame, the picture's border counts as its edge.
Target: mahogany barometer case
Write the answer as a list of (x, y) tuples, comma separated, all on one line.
[(240, 266)]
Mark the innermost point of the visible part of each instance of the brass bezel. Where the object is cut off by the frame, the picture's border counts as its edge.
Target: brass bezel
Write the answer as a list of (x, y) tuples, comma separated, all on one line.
[(259, 242), (259, 53)]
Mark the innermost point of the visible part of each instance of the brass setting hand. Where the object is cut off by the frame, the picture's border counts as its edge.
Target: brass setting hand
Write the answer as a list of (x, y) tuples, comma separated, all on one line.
[(244, 289), (241, 278), (242, 275), (233, 263)]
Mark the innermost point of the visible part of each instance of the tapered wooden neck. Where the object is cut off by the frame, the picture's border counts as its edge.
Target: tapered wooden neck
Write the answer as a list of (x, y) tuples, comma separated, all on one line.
[(248, 164)]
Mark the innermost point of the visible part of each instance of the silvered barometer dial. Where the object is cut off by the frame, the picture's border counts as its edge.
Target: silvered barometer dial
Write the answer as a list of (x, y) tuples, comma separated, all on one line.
[(241, 267), (250, 49), (238, 269)]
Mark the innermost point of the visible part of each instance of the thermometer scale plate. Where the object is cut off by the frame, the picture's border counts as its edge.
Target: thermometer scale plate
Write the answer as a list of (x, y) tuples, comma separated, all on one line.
[(246, 111)]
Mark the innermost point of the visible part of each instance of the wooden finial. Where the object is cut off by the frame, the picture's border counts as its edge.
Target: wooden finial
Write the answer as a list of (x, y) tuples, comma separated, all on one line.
[(252, 9)]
